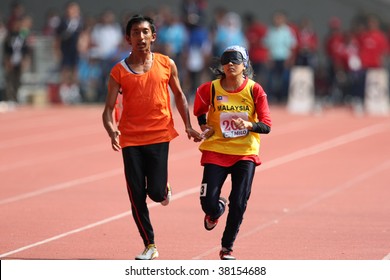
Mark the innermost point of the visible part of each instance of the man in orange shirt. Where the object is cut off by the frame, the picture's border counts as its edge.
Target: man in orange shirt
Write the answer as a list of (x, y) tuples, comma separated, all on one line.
[(146, 125)]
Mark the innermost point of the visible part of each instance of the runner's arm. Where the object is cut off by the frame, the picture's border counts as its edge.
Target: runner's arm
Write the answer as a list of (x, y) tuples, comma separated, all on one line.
[(181, 103), (108, 113)]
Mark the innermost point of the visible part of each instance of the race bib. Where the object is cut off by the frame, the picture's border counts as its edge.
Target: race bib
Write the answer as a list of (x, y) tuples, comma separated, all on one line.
[(229, 128), (203, 190)]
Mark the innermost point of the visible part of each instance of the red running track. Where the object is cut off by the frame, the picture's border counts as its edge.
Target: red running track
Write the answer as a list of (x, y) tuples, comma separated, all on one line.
[(322, 192)]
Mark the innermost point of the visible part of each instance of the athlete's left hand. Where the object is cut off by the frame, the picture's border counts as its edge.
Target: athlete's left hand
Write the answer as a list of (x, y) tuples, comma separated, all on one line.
[(241, 124)]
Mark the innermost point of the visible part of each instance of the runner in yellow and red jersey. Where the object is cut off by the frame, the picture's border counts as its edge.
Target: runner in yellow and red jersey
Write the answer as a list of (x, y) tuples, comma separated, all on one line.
[(146, 125), (232, 112)]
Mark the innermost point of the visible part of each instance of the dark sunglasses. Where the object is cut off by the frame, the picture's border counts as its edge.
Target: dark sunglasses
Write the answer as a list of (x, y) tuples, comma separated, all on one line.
[(233, 57)]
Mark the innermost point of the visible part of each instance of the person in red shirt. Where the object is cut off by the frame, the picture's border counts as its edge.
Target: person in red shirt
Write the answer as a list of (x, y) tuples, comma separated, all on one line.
[(307, 44), (351, 65), (373, 48), (373, 44), (334, 48), (255, 32), (146, 125)]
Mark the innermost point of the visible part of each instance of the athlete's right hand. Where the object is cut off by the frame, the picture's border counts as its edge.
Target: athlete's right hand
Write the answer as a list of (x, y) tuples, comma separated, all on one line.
[(207, 131), (115, 140)]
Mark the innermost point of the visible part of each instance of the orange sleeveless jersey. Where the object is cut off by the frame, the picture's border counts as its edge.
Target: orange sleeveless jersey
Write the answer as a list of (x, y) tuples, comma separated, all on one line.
[(147, 116)]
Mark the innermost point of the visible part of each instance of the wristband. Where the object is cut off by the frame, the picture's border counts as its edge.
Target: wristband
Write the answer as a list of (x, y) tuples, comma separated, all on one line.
[(202, 119)]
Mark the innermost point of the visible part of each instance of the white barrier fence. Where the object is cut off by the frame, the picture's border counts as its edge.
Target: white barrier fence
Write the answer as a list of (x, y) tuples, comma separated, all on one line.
[(376, 101), (301, 95)]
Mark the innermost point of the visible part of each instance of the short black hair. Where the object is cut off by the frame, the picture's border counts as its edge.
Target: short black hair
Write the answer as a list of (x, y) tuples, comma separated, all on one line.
[(138, 19)]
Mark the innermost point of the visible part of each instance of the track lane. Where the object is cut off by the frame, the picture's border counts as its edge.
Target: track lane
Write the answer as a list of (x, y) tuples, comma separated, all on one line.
[(305, 151)]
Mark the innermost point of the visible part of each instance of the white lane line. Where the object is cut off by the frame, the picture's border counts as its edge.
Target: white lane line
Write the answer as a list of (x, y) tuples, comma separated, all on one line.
[(65, 185), (348, 184), (346, 138), (217, 248), (48, 136), (42, 122), (282, 129), (65, 234), (350, 137), (84, 180), (54, 157), (99, 223), (335, 142)]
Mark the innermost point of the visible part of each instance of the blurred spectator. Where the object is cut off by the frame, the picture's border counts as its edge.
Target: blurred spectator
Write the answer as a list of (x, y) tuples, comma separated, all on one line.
[(121, 52), (352, 65), (334, 48), (17, 57), (294, 27), (307, 45), (106, 36), (373, 46), (84, 43), (216, 20), (255, 32), (172, 38), (3, 29), (194, 12), (3, 34), (26, 28), (198, 48), (68, 33), (17, 12), (86, 53), (280, 41), (229, 32), (89, 70), (197, 56), (350, 54), (52, 21)]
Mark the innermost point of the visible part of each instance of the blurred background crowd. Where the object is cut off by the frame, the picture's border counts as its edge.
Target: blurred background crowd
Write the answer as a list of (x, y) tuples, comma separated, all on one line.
[(67, 58)]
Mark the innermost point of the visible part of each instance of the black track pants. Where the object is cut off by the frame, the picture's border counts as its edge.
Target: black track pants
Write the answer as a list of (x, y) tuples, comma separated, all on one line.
[(146, 171), (214, 176)]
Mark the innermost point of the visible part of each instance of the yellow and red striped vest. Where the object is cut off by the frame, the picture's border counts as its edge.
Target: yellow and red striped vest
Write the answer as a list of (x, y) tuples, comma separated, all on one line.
[(225, 106)]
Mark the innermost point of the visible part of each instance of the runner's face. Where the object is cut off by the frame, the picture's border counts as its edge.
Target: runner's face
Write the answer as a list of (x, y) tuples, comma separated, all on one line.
[(232, 70), (141, 36), (232, 63)]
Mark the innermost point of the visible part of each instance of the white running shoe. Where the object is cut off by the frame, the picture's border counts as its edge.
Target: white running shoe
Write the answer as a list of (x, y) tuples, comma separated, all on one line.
[(169, 195), (149, 253)]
